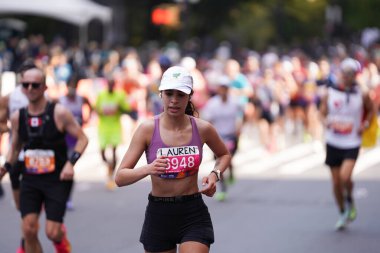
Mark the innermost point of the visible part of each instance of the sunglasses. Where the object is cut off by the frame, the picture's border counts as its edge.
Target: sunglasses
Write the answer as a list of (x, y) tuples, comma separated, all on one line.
[(34, 85)]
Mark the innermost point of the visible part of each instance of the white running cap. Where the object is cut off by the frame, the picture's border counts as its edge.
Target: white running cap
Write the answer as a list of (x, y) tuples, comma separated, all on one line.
[(224, 81), (177, 78), (350, 65)]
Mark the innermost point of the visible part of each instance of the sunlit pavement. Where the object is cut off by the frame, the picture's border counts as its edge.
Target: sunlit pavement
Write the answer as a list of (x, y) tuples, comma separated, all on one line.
[(281, 202)]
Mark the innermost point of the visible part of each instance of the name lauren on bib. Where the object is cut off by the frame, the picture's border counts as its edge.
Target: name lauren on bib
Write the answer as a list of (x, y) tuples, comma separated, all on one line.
[(183, 161)]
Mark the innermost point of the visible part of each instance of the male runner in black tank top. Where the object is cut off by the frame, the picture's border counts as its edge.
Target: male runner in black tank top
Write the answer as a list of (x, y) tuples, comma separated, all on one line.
[(39, 130)]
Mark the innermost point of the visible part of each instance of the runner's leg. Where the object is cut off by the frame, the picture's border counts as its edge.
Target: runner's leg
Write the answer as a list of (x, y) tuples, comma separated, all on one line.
[(337, 187), (190, 247), (30, 228), (56, 232)]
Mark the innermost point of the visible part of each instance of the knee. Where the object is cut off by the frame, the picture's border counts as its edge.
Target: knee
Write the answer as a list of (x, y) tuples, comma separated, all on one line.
[(30, 230), (346, 181), (54, 233), (337, 184)]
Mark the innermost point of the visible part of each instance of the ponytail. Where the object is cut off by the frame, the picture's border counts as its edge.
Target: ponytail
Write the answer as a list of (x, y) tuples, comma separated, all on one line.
[(190, 108)]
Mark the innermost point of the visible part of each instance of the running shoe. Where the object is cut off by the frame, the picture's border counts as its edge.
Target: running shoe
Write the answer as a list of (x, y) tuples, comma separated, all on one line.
[(352, 213), (231, 180), (64, 246), (342, 221), (221, 196), (111, 185), (307, 137), (21, 248)]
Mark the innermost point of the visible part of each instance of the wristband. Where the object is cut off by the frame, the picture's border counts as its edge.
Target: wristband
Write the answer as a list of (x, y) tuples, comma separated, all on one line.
[(74, 157), (7, 166), (216, 174)]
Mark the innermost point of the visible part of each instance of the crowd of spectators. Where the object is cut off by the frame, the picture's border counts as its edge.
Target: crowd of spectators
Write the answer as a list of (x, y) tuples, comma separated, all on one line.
[(279, 90)]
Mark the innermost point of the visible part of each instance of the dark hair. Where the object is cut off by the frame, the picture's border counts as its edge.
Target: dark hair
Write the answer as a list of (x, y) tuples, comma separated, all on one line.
[(26, 65), (73, 80), (190, 108)]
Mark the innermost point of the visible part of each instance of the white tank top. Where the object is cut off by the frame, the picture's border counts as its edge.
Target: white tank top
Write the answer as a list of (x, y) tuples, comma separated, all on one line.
[(345, 111), (17, 100), (74, 106)]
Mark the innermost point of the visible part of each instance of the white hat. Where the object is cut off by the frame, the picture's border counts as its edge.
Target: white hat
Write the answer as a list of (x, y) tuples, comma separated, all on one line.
[(224, 81), (188, 62), (350, 65), (177, 78)]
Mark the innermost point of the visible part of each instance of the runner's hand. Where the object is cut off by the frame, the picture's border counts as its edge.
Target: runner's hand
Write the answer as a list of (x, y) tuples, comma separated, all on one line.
[(208, 185), (67, 172), (158, 166)]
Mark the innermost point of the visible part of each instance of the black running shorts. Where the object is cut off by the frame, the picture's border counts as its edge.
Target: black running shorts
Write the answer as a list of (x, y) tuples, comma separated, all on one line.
[(168, 223), (336, 156), (16, 174), (53, 195)]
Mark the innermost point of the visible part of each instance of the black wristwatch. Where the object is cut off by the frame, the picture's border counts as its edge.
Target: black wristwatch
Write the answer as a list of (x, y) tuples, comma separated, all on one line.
[(217, 173)]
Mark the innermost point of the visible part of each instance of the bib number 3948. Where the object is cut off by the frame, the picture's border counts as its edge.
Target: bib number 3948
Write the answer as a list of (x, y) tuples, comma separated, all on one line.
[(180, 158), (39, 161)]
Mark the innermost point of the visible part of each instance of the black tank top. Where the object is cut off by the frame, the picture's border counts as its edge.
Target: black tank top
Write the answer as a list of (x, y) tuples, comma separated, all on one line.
[(39, 132)]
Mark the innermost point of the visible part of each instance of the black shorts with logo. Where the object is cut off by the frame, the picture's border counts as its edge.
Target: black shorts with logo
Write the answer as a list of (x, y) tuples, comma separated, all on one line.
[(174, 220), (52, 194)]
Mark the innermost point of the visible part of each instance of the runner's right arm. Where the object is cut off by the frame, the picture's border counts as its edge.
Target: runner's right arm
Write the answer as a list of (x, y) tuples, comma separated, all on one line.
[(323, 110), (127, 173), (15, 146), (4, 114)]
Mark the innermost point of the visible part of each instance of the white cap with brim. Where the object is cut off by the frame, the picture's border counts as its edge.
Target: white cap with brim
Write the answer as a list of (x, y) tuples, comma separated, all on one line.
[(350, 65), (176, 78), (224, 81)]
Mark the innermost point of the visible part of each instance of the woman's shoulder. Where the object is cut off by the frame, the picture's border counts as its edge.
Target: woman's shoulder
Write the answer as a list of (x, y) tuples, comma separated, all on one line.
[(146, 127), (144, 132), (202, 125)]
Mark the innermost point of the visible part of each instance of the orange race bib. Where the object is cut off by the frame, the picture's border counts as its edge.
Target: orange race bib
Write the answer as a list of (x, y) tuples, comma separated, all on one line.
[(39, 161)]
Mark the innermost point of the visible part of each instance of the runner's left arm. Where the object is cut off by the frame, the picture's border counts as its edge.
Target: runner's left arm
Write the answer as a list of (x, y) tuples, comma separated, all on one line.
[(223, 157), (124, 103), (66, 122), (370, 109), (71, 126)]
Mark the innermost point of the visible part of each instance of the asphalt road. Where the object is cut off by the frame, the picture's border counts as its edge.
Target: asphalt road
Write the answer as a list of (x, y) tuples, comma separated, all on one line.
[(281, 203)]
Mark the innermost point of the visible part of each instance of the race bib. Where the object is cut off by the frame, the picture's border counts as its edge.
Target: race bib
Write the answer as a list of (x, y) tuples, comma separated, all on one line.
[(39, 161), (343, 126), (110, 109), (183, 161)]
